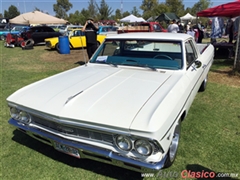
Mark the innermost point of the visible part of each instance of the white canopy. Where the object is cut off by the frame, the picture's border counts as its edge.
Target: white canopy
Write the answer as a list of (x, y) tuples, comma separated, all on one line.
[(36, 17), (131, 18), (187, 17)]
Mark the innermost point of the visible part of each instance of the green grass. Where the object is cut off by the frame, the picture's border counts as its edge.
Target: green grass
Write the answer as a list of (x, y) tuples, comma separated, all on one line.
[(210, 138)]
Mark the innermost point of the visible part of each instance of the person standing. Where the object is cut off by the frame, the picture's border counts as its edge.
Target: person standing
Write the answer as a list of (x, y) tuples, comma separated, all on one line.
[(200, 30), (191, 32), (91, 36), (229, 30), (180, 27), (173, 27)]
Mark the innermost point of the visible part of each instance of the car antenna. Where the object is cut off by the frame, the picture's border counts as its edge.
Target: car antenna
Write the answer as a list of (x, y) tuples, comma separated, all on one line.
[(84, 56)]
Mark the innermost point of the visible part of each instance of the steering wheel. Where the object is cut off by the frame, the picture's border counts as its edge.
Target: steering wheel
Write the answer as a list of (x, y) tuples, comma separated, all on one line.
[(164, 56)]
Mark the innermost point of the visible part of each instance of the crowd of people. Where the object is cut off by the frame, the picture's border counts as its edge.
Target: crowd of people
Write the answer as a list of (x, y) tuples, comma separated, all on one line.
[(194, 30)]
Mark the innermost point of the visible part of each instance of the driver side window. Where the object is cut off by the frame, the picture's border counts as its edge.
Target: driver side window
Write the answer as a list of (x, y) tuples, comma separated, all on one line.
[(191, 55)]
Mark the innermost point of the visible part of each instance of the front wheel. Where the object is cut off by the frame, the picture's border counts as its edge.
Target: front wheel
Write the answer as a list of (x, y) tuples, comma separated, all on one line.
[(172, 152), (203, 85), (57, 47)]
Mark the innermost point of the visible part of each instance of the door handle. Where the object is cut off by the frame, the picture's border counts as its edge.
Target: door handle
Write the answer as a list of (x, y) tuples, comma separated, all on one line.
[(204, 66)]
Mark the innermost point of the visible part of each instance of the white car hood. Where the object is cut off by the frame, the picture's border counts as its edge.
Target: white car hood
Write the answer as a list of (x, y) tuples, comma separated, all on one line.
[(94, 94)]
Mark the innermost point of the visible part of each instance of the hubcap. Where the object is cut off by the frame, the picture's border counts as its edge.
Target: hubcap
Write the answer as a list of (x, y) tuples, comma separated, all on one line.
[(175, 142)]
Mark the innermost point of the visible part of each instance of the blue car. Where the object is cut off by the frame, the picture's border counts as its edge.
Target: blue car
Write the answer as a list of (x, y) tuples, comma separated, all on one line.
[(15, 30), (106, 30)]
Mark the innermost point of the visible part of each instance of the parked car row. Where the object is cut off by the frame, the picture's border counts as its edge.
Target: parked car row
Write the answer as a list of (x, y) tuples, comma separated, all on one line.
[(39, 33), (12, 30), (47, 35), (77, 39)]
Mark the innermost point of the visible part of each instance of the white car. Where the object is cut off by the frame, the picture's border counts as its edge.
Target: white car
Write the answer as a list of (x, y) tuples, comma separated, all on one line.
[(125, 106), (66, 28)]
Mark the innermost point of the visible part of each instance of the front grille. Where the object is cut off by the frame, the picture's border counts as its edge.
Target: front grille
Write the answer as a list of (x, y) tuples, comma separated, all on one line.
[(73, 131)]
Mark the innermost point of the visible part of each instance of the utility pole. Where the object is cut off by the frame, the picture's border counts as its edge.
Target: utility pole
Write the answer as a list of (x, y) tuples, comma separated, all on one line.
[(121, 7)]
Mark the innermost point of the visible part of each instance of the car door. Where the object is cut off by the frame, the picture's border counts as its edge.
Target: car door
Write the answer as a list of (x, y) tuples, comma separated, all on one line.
[(78, 39), (194, 69)]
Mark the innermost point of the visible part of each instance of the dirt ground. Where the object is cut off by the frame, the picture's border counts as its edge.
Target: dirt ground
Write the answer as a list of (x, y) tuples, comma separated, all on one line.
[(79, 56), (76, 56), (225, 76)]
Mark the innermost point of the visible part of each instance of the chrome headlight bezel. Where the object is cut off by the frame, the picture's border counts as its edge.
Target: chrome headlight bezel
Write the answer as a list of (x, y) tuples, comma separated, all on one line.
[(120, 140), (14, 113), (19, 115), (143, 147), (151, 147)]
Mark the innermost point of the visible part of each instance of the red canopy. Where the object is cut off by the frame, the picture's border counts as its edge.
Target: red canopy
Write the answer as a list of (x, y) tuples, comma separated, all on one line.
[(231, 9)]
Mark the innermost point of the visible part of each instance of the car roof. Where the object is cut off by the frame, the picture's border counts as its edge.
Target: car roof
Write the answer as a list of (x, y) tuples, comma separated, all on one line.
[(152, 35)]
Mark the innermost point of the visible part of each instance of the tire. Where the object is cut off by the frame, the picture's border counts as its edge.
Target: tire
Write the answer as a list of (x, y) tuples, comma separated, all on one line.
[(29, 43), (57, 47), (172, 152), (203, 85), (2, 37), (98, 43)]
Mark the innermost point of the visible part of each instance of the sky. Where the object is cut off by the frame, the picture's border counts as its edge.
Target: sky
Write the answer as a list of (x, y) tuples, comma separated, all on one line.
[(47, 5)]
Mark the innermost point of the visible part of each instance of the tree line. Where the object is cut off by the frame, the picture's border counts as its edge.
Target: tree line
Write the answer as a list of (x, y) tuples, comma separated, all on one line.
[(102, 11)]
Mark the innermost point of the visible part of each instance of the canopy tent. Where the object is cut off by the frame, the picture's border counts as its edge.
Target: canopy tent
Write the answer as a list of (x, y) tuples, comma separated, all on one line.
[(152, 19), (36, 17), (187, 17), (226, 10), (167, 17), (131, 18)]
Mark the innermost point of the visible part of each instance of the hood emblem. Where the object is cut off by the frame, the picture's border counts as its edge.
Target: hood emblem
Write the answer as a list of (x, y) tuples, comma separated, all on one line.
[(71, 97)]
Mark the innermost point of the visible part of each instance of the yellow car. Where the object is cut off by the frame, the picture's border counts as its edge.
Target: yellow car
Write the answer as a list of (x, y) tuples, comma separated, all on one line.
[(76, 38)]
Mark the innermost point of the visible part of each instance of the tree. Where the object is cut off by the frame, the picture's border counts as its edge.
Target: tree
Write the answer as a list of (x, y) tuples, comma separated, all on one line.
[(125, 14), (159, 9), (61, 8), (118, 14), (104, 10), (199, 6), (135, 11), (76, 18), (92, 8), (12, 12), (148, 8), (85, 13), (37, 9), (176, 6)]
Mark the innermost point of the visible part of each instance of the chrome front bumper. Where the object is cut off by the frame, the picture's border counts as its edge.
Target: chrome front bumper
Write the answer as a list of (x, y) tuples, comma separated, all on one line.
[(91, 152)]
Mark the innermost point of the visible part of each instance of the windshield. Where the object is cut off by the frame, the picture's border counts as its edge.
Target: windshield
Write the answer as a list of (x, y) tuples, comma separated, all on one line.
[(142, 53)]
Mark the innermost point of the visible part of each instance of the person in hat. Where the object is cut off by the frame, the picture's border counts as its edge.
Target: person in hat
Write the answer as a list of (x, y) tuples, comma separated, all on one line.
[(90, 30)]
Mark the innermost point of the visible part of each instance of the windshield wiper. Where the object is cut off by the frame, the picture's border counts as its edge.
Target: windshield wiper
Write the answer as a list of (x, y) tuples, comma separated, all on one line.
[(130, 62), (149, 67), (112, 64)]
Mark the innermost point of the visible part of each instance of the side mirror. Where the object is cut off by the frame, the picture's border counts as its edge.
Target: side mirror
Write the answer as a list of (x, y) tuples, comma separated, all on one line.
[(198, 64)]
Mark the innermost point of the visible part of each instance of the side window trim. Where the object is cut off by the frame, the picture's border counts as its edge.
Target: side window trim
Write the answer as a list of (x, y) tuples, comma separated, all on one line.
[(190, 56)]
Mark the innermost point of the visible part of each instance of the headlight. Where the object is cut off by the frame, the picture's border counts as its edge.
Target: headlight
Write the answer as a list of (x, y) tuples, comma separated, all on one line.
[(143, 147), (21, 116), (14, 112), (24, 117), (124, 143)]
